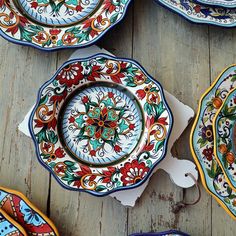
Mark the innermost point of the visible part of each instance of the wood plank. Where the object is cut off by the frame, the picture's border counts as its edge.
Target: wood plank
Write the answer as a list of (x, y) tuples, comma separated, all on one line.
[(89, 215), (176, 53), (222, 55), (23, 70)]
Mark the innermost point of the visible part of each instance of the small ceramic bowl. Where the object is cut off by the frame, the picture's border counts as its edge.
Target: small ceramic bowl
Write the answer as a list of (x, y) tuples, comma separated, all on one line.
[(101, 124), (50, 25)]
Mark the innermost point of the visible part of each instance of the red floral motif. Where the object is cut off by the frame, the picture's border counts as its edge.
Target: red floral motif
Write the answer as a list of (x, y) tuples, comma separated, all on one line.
[(94, 73), (50, 125), (54, 31), (132, 126), (197, 8), (40, 37), (34, 5), (93, 153), (208, 153), (117, 148), (108, 174), (58, 98), (22, 22), (85, 170), (79, 8), (88, 25), (141, 94), (151, 120), (85, 99), (133, 172), (59, 153), (71, 74), (109, 6)]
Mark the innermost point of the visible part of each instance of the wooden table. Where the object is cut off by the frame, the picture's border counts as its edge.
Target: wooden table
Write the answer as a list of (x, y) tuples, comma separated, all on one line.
[(184, 57)]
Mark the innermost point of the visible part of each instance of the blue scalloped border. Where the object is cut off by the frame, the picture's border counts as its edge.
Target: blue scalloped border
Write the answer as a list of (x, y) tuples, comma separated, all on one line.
[(30, 123), (190, 19)]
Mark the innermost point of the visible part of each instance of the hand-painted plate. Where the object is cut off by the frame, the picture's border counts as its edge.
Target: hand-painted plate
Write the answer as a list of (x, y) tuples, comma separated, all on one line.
[(56, 24), (202, 141), (9, 227), (101, 124), (165, 233), (19, 208), (198, 13), (219, 3), (224, 133)]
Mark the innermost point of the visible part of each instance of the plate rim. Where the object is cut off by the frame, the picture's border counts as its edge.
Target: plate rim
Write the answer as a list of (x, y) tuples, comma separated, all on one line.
[(190, 19), (215, 142), (202, 175), (49, 49), (207, 3), (123, 188)]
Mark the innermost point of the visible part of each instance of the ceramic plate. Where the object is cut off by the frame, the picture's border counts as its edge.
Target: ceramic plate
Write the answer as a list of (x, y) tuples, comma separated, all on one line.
[(101, 124), (18, 207), (9, 227), (165, 233), (198, 13), (224, 133), (49, 25), (220, 3), (202, 141)]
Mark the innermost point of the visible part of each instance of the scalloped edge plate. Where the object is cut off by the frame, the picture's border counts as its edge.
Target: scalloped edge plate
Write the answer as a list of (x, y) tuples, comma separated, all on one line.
[(201, 141), (225, 154), (25, 31), (103, 181)]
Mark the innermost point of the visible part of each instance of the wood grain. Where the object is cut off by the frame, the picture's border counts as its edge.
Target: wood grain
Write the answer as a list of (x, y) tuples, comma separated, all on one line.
[(185, 58)]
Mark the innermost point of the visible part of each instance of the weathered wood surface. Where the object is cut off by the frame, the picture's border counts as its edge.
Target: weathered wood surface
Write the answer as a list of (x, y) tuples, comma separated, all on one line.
[(184, 57)]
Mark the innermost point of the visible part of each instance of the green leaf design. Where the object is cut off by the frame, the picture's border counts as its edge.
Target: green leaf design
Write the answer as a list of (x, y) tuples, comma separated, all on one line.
[(123, 126), (159, 145), (100, 188), (52, 137)]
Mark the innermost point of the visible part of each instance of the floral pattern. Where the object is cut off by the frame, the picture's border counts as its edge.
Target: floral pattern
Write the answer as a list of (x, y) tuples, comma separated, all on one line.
[(24, 213), (103, 122), (198, 13), (224, 125), (93, 19), (101, 125), (202, 141)]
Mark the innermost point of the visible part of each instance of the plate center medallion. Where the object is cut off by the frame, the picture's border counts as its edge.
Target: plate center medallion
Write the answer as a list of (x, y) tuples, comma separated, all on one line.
[(101, 125), (58, 12)]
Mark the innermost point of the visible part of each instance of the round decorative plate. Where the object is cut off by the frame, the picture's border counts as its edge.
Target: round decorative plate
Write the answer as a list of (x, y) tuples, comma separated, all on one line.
[(197, 13), (55, 24), (224, 133), (202, 141), (101, 124), (219, 3)]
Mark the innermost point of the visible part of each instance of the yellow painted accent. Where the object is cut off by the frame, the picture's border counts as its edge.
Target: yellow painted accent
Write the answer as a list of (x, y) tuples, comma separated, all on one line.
[(193, 152), (23, 197)]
